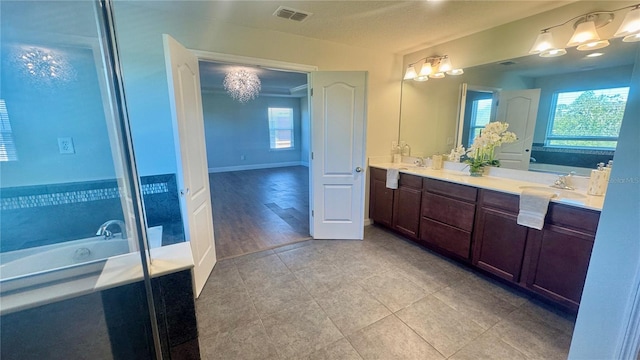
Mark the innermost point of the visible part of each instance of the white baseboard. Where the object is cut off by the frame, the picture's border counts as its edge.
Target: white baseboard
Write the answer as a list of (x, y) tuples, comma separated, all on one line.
[(254, 167), (304, 163), (367, 222)]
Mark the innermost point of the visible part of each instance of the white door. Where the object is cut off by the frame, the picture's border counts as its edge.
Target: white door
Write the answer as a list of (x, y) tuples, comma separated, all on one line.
[(338, 104), (519, 108), (193, 177)]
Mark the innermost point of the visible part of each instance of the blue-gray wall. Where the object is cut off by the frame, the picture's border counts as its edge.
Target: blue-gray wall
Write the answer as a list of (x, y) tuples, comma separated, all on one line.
[(233, 130)]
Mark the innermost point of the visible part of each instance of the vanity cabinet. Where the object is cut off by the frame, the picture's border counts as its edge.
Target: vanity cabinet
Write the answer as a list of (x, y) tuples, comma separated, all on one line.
[(558, 255), (406, 206), (499, 242), (380, 198), (448, 211), (479, 226)]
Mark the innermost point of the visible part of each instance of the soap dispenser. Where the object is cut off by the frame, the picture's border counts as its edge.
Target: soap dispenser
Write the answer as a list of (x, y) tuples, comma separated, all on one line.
[(598, 181)]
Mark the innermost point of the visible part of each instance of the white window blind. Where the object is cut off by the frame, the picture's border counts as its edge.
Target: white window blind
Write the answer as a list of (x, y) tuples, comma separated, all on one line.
[(7, 146)]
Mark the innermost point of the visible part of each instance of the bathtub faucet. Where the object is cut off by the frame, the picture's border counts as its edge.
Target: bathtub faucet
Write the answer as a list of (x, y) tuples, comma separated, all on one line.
[(103, 230)]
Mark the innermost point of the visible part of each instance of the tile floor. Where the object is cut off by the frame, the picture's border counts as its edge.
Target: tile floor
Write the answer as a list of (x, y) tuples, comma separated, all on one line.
[(381, 298)]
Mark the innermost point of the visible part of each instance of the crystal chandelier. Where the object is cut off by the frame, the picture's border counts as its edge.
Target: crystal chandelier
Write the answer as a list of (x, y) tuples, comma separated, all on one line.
[(44, 66), (242, 85)]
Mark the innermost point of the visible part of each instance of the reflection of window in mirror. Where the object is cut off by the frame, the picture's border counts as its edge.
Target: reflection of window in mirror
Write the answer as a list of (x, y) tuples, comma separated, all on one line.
[(7, 146), (480, 113), (587, 119)]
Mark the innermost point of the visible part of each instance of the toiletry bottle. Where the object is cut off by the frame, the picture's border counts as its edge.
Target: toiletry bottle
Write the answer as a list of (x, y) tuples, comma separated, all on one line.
[(395, 152), (406, 150), (597, 181), (436, 162)]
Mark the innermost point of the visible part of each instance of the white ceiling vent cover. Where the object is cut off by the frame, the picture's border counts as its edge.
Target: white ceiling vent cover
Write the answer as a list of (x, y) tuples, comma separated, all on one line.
[(292, 14)]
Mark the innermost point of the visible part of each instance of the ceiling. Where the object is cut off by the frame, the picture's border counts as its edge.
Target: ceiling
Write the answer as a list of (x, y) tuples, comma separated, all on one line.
[(391, 26)]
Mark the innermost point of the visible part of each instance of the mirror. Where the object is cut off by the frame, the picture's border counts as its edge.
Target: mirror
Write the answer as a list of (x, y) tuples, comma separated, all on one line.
[(438, 114)]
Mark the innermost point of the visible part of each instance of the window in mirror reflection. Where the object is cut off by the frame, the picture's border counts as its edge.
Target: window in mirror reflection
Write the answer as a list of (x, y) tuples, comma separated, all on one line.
[(480, 117), (587, 119)]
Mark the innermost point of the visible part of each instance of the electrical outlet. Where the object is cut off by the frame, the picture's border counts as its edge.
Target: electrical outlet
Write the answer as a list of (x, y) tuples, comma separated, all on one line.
[(449, 140), (65, 145)]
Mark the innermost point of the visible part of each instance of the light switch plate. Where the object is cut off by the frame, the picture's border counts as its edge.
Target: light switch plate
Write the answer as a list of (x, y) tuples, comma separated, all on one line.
[(65, 145)]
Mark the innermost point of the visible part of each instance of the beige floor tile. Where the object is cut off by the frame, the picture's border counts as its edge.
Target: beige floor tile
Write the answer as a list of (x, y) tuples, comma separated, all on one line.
[(440, 325), (247, 342), (390, 339), (476, 303), (351, 308), (393, 290), (282, 293), (340, 350), (300, 331), (488, 347)]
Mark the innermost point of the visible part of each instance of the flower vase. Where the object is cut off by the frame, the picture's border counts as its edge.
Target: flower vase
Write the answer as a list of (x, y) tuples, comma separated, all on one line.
[(476, 172)]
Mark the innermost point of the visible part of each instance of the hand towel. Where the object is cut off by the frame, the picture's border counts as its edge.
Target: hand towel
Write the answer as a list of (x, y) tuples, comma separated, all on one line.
[(392, 178), (533, 208)]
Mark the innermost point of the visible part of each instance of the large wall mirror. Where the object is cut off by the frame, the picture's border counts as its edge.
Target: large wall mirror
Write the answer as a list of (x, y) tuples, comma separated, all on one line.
[(542, 99)]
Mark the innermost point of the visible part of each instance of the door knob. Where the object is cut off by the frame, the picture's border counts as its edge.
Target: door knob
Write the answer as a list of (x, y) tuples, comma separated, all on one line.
[(358, 169), (184, 192)]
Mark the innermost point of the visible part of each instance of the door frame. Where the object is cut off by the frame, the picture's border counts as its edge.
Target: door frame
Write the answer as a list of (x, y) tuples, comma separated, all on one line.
[(203, 55)]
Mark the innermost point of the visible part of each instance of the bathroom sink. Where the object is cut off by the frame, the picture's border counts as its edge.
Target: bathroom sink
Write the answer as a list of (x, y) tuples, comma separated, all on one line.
[(560, 193)]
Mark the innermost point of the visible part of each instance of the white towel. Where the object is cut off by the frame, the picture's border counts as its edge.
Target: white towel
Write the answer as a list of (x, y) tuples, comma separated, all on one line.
[(392, 178), (533, 208)]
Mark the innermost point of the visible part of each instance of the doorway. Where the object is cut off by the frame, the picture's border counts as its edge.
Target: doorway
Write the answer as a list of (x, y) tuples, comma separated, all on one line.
[(258, 152)]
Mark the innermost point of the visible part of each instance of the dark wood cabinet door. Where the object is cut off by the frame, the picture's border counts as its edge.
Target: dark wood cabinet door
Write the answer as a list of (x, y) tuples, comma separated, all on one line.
[(381, 202), (499, 243), (454, 241), (406, 219), (558, 259)]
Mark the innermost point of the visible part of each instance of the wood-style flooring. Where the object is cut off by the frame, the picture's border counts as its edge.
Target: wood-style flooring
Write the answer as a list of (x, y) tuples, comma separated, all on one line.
[(255, 210)]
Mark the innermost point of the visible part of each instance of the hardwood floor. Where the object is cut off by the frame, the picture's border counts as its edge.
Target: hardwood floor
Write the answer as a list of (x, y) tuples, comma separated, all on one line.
[(255, 210)]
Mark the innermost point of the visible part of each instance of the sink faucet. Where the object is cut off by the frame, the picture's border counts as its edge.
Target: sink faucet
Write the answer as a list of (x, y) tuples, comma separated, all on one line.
[(104, 231), (564, 182)]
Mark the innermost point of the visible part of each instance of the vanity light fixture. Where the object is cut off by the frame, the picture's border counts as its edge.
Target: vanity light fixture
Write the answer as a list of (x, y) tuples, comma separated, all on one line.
[(585, 36), (433, 67), (630, 27)]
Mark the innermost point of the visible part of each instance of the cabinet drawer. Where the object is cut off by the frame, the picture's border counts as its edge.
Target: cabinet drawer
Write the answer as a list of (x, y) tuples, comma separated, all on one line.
[(449, 211), (378, 174), (462, 192), (573, 217), (411, 181), (446, 237), (498, 200)]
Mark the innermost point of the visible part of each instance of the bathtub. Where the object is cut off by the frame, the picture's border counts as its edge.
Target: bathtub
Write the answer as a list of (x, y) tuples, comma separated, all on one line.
[(56, 262)]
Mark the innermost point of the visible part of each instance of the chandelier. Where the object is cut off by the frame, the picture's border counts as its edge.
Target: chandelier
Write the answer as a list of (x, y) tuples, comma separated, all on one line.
[(44, 66), (242, 85)]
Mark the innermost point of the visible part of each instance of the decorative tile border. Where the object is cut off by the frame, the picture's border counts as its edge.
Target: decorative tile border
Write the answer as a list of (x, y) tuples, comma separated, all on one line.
[(74, 197), (571, 150)]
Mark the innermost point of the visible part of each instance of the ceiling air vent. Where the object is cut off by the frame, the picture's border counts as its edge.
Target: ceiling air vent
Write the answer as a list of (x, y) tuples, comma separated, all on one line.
[(292, 14)]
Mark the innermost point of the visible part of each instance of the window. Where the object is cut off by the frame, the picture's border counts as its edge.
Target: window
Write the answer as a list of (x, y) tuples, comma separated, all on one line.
[(480, 117), (281, 128), (7, 147), (587, 119)]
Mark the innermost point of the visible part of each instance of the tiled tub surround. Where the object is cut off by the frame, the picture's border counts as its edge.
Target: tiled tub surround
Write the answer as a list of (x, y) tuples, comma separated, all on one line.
[(48, 214), (108, 324), (504, 180)]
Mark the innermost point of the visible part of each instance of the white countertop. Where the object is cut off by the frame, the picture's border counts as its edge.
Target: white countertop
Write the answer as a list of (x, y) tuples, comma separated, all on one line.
[(118, 270), (509, 181)]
